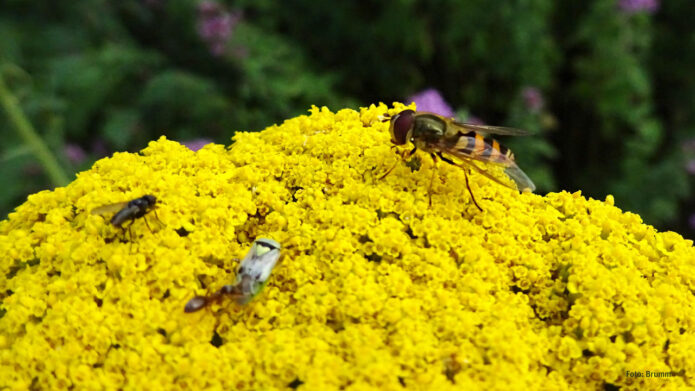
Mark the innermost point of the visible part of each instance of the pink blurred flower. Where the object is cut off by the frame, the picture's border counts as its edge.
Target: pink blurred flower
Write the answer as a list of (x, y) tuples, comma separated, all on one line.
[(431, 100), (74, 153), (209, 7), (635, 6), (196, 144), (215, 25), (533, 99)]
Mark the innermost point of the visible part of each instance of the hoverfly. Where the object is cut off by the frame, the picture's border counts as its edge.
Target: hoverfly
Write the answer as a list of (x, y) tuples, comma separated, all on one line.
[(129, 211), (251, 277), (466, 142)]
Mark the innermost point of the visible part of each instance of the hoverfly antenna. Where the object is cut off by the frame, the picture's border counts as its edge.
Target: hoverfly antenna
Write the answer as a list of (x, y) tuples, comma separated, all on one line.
[(384, 117)]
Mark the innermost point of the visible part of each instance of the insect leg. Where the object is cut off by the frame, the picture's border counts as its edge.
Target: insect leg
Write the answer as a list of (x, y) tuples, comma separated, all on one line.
[(130, 233), (130, 230), (157, 217), (404, 156), (388, 172), (434, 171), (147, 224), (123, 237), (465, 173), (445, 159)]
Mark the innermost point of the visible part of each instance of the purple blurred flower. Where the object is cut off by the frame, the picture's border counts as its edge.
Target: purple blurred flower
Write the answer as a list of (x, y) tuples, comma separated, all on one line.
[(533, 99), (209, 8), (691, 221), (196, 144), (690, 166), (216, 28), (634, 6), (98, 147), (431, 100), (74, 153), (215, 25)]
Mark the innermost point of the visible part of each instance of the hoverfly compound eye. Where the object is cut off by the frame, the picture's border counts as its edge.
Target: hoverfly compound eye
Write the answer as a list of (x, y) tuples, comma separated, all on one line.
[(401, 124)]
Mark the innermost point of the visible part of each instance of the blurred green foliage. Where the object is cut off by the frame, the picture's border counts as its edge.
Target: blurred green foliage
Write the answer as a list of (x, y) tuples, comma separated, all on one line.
[(615, 86)]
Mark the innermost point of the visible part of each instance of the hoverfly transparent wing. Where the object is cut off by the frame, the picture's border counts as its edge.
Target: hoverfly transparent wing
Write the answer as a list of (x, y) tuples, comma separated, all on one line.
[(110, 208), (523, 182), (490, 154), (468, 163), (513, 171), (487, 129)]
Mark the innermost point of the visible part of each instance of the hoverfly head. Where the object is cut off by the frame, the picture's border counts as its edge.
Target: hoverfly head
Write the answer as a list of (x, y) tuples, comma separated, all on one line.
[(401, 126)]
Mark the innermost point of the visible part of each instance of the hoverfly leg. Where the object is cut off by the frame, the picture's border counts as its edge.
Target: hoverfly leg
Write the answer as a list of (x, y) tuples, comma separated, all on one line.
[(465, 173), (445, 159), (404, 156), (388, 172), (434, 171)]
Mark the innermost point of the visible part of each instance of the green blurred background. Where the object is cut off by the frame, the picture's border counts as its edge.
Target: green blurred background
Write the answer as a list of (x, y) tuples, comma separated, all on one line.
[(607, 86)]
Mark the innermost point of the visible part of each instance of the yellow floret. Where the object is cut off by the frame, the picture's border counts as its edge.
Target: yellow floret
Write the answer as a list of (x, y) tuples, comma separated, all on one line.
[(376, 289)]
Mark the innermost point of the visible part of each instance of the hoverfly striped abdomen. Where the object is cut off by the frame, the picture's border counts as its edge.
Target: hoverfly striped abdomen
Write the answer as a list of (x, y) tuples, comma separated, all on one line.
[(486, 148)]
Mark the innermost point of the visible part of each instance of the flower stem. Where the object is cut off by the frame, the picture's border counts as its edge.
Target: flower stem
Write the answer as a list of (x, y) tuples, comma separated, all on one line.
[(30, 137)]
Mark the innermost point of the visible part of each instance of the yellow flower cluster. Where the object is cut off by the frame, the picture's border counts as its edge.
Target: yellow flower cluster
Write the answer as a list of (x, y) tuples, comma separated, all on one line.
[(376, 290)]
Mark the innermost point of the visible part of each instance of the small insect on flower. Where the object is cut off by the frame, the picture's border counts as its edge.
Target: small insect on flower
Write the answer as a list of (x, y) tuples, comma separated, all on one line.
[(129, 211), (252, 275), (467, 143)]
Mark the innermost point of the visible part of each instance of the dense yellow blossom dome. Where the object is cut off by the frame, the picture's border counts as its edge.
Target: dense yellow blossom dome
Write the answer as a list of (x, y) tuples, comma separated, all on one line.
[(376, 289)]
